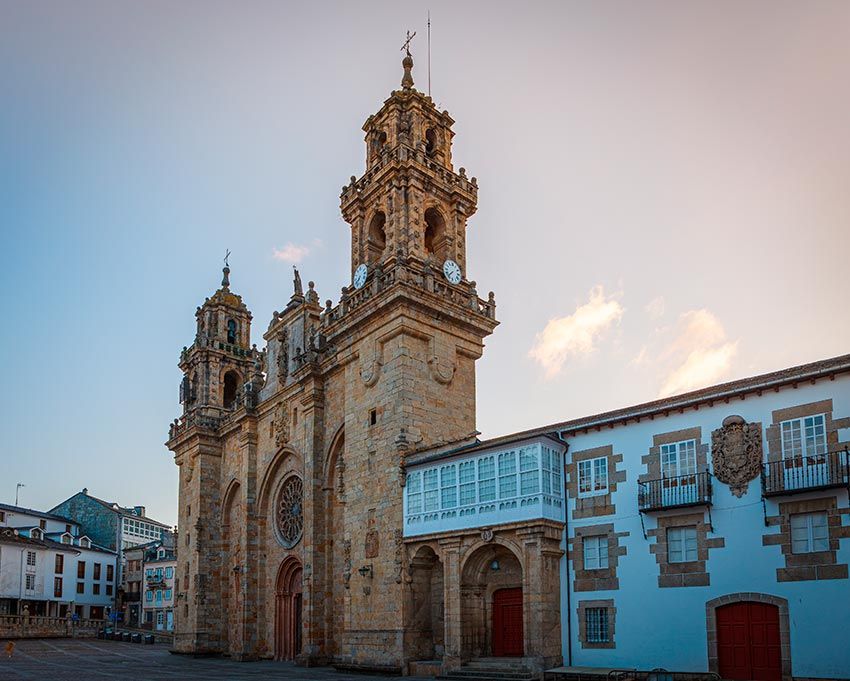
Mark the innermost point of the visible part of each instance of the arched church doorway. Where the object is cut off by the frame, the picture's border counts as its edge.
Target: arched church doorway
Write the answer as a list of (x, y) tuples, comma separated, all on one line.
[(492, 612), (425, 612), (288, 601)]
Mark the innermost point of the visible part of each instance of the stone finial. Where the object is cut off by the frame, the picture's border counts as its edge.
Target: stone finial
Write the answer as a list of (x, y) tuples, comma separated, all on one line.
[(407, 79), (225, 279), (312, 296)]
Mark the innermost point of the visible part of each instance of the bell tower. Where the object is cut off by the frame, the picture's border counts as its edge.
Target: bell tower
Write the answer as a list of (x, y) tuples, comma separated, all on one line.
[(410, 202), (219, 363), (402, 345)]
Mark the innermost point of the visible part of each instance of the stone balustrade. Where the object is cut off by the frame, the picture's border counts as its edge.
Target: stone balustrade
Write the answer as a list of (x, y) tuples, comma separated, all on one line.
[(36, 626)]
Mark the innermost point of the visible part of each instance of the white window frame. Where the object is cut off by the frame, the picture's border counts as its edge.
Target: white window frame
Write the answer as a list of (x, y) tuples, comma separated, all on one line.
[(595, 551), (597, 477), (682, 544), (804, 439), (678, 459), (808, 533)]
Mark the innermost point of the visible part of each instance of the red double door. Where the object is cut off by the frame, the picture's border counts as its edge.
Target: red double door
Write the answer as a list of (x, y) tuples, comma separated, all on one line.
[(748, 644), (507, 623)]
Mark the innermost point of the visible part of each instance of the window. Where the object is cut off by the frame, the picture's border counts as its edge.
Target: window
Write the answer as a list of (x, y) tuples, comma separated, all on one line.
[(507, 475), (30, 558), (96, 574), (809, 533), (149, 572), (148, 617), (42, 524), (30, 582), (66, 539), (110, 573), (81, 587), (108, 589), (593, 477), (466, 475), (159, 596), (429, 484), (57, 587), (231, 331), (486, 479), (448, 486), (169, 572), (373, 417), (85, 543), (529, 475), (595, 552), (2, 516), (159, 573), (68, 529), (596, 625), (95, 589), (168, 593), (149, 596), (679, 458), (59, 564), (414, 492), (804, 437), (682, 544)]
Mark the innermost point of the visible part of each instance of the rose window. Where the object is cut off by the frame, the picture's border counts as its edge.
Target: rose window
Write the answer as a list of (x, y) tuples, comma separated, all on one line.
[(289, 518)]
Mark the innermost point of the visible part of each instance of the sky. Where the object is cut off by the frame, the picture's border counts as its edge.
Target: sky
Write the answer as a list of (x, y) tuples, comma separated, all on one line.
[(664, 200)]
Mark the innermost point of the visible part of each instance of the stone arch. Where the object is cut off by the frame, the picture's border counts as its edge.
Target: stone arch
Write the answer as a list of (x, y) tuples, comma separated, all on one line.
[(231, 382), (233, 565), (424, 611), (487, 568), (337, 571), (286, 461), (436, 234), (376, 236), (752, 597), (288, 609)]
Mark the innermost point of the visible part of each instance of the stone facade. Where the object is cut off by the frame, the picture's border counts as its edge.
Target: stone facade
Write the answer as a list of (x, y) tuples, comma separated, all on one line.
[(292, 459)]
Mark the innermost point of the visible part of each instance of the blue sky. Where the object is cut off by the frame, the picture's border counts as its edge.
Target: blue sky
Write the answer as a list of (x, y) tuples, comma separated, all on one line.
[(664, 199)]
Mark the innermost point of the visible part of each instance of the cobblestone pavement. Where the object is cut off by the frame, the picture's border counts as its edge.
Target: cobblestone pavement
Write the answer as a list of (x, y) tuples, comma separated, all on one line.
[(81, 660)]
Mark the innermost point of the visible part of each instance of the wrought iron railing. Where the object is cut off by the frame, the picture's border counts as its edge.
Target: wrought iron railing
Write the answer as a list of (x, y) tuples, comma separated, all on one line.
[(674, 492), (804, 473)]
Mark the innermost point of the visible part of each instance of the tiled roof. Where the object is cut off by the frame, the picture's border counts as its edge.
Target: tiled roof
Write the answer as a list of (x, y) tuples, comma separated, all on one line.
[(775, 379), (9, 508)]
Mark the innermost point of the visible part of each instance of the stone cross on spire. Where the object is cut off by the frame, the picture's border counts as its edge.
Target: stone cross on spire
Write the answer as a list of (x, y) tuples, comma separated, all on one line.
[(225, 280), (407, 62)]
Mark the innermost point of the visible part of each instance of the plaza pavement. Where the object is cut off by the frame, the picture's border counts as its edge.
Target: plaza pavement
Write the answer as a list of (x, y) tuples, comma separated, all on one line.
[(84, 659)]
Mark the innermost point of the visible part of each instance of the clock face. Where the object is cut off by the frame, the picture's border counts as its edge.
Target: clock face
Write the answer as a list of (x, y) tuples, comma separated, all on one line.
[(452, 271), (360, 275)]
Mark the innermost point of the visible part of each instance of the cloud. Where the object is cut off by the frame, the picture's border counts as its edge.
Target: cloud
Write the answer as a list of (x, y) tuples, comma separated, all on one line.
[(576, 334), (655, 308), (699, 353), (291, 253)]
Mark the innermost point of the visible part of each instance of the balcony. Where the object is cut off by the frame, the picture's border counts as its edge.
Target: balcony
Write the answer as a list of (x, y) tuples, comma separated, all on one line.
[(154, 581), (677, 492), (806, 473)]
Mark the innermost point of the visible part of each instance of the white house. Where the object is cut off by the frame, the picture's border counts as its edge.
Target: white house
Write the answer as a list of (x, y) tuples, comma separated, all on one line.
[(46, 565)]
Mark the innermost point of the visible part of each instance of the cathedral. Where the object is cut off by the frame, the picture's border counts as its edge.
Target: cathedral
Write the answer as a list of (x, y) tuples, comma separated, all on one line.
[(293, 459), (337, 507)]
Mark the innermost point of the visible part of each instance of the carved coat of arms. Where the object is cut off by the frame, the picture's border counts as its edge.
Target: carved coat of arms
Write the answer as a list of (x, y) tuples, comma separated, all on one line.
[(736, 453)]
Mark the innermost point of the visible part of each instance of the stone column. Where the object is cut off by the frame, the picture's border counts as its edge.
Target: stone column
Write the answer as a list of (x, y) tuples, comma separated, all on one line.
[(452, 602)]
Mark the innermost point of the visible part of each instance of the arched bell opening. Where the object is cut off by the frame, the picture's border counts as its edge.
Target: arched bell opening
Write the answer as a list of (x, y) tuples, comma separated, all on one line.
[(377, 236), (435, 236)]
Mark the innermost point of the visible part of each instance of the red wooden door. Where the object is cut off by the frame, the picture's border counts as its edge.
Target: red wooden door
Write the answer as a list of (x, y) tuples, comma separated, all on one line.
[(507, 623), (748, 645)]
